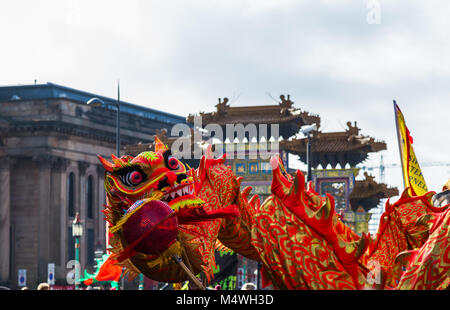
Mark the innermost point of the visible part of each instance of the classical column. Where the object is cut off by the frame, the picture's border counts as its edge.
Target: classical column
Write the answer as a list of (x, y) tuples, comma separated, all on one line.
[(82, 167), (44, 238), (57, 215), (101, 201), (5, 218)]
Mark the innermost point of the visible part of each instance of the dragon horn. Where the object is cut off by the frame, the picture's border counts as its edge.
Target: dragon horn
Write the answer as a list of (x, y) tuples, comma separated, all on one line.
[(119, 162), (106, 164), (223, 158), (404, 257), (310, 187), (280, 184), (298, 186), (159, 146), (208, 153), (255, 202), (246, 191), (201, 171), (406, 194), (274, 160)]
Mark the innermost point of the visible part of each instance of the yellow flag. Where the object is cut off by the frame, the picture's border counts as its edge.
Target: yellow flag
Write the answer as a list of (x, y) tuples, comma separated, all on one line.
[(412, 175)]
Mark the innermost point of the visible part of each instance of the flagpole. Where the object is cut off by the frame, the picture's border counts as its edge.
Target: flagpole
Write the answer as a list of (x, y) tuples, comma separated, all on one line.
[(399, 142), (118, 121)]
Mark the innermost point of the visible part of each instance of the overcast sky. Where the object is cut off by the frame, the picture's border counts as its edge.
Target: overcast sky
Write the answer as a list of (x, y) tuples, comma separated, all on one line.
[(343, 60)]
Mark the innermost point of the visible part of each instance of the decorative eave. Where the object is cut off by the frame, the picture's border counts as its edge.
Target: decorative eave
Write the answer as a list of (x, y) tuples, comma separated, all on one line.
[(289, 119), (367, 193), (331, 148)]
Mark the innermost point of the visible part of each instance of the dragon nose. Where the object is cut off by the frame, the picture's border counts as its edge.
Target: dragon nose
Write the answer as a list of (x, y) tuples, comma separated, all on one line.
[(171, 177)]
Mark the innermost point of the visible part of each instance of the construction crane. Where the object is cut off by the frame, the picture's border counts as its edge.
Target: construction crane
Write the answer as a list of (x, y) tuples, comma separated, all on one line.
[(382, 166), (376, 212)]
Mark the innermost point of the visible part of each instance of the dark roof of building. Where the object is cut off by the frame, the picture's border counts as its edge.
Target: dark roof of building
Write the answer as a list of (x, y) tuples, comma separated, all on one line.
[(284, 114), (346, 147), (54, 91), (367, 193)]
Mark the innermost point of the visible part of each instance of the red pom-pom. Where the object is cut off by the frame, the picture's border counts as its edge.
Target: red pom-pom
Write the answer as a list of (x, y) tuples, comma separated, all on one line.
[(152, 228)]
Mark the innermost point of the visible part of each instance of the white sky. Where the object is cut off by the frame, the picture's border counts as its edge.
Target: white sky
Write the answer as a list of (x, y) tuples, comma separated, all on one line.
[(180, 56)]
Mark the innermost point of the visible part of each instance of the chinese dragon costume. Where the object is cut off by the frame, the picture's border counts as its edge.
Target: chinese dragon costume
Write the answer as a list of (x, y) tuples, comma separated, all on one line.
[(160, 211)]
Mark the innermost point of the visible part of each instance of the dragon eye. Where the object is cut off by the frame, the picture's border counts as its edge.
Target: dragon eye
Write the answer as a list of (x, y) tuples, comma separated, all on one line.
[(172, 162), (132, 178)]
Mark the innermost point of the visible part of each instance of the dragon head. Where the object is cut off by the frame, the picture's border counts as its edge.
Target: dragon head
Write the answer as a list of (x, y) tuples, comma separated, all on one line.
[(150, 174), (154, 213)]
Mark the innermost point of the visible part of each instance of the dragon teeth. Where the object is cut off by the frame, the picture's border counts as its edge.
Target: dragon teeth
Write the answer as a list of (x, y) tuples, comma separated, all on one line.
[(185, 190)]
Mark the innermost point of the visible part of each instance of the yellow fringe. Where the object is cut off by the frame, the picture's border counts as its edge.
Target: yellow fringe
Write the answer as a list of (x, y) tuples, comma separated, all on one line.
[(191, 203), (166, 256)]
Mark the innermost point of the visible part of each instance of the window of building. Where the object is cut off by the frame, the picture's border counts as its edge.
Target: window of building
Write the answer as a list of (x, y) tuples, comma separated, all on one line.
[(71, 195), (90, 197), (90, 247)]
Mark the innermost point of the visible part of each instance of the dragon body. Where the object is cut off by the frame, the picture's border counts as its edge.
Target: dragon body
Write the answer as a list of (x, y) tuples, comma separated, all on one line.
[(157, 208)]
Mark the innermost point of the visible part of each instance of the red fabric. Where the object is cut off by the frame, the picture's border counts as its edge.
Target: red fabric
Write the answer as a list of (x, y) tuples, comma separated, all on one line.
[(88, 281), (409, 135), (265, 280), (292, 196), (109, 271), (152, 228), (130, 249), (194, 215)]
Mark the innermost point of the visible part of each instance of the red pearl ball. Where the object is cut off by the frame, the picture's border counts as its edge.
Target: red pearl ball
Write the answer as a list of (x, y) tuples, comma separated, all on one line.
[(155, 218)]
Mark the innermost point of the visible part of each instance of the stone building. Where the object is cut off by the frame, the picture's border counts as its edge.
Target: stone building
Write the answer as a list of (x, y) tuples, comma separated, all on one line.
[(49, 142)]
